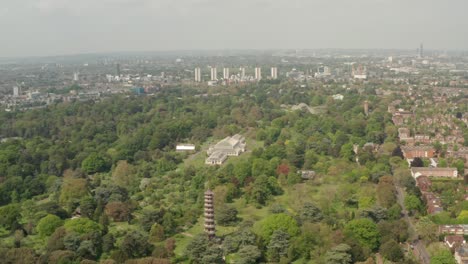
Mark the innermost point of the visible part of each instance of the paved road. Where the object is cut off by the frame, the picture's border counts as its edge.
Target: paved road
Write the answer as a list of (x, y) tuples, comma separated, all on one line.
[(418, 246)]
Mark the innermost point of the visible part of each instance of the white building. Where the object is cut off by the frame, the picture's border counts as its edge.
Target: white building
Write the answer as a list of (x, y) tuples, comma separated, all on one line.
[(197, 74), (214, 74), (322, 71), (338, 97), (185, 147), (226, 73), (16, 91), (258, 73), (274, 73), (76, 76), (359, 72), (242, 72), (230, 146)]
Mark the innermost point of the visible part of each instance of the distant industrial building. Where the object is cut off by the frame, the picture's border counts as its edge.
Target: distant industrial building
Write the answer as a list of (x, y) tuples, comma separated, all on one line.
[(258, 73), (214, 74), (274, 73), (197, 74)]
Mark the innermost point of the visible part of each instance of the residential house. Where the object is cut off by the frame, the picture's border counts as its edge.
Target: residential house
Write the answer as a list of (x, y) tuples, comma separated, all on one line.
[(454, 241), (434, 172), (453, 229), (418, 152), (424, 183), (461, 255)]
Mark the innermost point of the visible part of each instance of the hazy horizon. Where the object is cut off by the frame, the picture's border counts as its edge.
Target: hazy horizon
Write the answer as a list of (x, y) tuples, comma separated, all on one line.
[(64, 27)]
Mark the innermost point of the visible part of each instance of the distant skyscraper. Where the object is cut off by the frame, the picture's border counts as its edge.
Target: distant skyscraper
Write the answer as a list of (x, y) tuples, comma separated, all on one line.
[(226, 73), (242, 72), (76, 76), (421, 51), (258, 73), (118, 69), (214, 74), (16, 91), (197, 74), (274, 73)]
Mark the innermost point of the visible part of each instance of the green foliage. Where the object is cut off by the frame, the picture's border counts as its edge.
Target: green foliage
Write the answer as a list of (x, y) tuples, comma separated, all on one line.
[(364, 231), (413, 203), (10, 216), (263, 188), (248, 254), (444, 257), (135, 245), (311, 213), (278, 246), (226, 215), (197, 247), (47, 225), (19, 255), (93, 163), (339, 255), (156, 233), (81, 226), (392, 251), (73, 189), (267, 226)]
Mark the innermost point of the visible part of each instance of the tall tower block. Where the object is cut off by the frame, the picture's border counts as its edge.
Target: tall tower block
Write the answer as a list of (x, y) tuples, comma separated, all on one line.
[(214, 74), (226, 73), (421, 51), (209, 214), (118, 69), (274, 73), (242, 72), (258, 73), (197, 74)]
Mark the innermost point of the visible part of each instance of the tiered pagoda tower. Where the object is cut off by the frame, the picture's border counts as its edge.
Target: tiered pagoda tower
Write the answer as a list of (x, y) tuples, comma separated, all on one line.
[(209, 214)]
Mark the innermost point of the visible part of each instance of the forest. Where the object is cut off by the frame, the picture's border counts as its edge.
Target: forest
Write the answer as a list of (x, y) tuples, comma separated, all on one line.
[(84, 182)]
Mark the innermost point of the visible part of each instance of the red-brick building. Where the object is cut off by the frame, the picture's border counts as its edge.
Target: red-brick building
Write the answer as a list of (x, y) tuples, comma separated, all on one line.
[(418, 152)]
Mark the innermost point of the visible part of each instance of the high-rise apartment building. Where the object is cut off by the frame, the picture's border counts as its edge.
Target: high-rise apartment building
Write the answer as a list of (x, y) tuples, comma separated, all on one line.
[(214, 74), (16, 91), (258, 73), (197, 74), (242, 72), (274, 73), (226, 73)]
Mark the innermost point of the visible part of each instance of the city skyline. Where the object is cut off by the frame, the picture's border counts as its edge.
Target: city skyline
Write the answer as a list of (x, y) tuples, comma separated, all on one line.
[(52, 27)]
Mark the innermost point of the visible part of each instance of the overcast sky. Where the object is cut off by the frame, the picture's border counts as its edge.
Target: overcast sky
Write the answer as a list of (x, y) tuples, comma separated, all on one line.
[(53, 27)]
